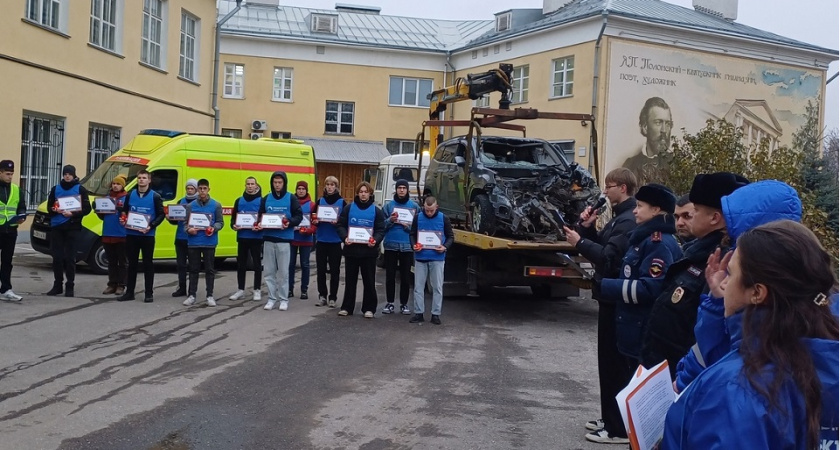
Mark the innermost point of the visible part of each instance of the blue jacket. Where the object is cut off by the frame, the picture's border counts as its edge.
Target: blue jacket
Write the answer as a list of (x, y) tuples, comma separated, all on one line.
[(396, 234), (653, 248), (748, 207), (721, 409)]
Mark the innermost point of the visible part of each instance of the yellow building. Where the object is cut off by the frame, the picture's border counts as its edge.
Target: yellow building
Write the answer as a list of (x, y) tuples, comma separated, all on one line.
[(83, 77)]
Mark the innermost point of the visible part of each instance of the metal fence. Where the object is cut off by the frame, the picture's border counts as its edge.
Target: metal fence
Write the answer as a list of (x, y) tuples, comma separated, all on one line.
[(42, 143)]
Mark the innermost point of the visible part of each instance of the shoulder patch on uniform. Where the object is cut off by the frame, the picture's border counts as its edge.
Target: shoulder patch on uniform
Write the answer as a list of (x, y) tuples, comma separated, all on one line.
[(677, 295), (656, 236), (694, 270), (657, 268)]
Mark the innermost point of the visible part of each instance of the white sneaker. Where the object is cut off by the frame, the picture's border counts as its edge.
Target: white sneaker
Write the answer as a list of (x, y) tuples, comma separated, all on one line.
[(211, 301), (284, 305), (603, 437), (11, 296), (257, 296), (189, 301), (269, 305), (237, 295)]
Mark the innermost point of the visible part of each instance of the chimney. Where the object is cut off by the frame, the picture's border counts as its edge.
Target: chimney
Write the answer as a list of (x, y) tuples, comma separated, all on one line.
[(724, 9), (549, 6)]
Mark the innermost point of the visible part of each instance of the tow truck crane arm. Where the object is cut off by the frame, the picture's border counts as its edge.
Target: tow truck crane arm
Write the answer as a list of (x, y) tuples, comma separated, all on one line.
[(470, 88)]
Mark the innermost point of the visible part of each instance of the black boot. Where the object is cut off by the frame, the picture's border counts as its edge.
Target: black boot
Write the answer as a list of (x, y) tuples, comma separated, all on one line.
[(68, 289), (126, 297), (417, 318), (180, 292), (56, 289)]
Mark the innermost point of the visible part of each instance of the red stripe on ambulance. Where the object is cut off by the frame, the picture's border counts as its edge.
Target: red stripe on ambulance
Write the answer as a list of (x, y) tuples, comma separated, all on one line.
[(248, 166)]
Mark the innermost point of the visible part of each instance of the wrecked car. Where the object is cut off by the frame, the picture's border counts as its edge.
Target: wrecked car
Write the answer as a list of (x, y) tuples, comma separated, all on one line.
[(509, 186)]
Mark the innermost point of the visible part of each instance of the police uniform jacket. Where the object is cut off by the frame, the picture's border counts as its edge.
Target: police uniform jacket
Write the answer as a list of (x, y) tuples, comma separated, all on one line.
[(606, 248)]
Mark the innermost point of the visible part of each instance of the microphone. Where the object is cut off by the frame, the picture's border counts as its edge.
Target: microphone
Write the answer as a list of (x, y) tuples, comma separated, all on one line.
[(602, 200)]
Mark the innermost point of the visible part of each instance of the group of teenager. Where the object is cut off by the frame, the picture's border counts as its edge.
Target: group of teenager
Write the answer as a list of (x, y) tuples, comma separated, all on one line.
[(741, 303)]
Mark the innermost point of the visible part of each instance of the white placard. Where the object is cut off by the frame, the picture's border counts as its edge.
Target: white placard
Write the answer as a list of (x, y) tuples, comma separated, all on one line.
[(246, 220), (70, 204), (200, 220), (327, 214), (272, 221), (404, 215), (359, 235), (430, 239), (105, 205), (176, 212), (136, 221), (305, 223)]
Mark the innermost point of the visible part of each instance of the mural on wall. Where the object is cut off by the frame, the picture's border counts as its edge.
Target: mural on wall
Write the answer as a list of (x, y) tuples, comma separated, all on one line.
[(655, 92)]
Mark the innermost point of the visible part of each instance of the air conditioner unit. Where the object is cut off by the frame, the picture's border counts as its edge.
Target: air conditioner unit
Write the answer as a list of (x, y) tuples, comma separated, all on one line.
[(259, 125), (255, 136)]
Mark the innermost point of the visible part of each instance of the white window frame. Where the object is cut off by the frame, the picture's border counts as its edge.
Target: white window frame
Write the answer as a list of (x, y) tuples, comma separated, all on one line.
[(103, 141), (519, 84), (153, 34), (189, 46), (318, 20), (235, 133), (566, 86), (106, 24), (282, 83), (234, 81), (50, 14), (503, 22), (420, 99), (339, 117), (482, 102), (404, 146)]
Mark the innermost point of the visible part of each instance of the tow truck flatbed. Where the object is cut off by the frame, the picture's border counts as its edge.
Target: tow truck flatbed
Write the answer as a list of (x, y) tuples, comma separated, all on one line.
[(485, 242)]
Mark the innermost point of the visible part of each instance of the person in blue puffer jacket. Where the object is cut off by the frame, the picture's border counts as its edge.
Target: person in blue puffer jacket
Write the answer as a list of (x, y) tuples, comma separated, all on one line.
[(748, 207), (778, 387)]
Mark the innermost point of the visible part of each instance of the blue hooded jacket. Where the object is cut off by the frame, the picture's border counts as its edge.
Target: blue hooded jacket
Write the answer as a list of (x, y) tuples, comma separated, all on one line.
[(748, 207), (721, 409)]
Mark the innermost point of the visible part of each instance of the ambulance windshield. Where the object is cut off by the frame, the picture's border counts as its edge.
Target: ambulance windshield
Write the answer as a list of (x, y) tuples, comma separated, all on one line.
[(99, 182)]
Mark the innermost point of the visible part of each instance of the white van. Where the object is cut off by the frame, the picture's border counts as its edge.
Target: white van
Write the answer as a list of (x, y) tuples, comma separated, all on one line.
[(393, 168)]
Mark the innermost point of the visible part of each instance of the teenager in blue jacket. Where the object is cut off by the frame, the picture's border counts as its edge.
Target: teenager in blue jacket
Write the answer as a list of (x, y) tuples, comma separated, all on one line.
[(778, 386), (653, 248)]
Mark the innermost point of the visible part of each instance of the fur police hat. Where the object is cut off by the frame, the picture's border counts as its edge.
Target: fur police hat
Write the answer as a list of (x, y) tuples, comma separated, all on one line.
[(658, 195), (7, 164), (708, 188)]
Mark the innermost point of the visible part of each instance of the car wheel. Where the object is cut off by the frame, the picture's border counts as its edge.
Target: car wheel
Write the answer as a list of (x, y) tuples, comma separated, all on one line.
[(97, 260), (483, 220)]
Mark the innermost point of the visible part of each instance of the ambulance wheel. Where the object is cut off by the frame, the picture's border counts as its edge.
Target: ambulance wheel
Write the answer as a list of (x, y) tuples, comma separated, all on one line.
[(97, 260)]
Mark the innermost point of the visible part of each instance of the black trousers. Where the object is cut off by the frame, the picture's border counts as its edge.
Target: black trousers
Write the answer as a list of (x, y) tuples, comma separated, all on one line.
[(117, 264), (181, 254), (133, 246), (328, 260), (404, 260), (245, 247), (207, 255), (614, 370), (367, 266), (7, 251), (63, 250)]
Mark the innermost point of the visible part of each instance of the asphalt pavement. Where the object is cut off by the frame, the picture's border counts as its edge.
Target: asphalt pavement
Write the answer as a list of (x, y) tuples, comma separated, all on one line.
[(504, 371)]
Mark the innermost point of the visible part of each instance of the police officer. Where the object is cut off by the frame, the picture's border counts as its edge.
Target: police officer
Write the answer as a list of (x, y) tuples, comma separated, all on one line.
[(12, 214), (670, 328)]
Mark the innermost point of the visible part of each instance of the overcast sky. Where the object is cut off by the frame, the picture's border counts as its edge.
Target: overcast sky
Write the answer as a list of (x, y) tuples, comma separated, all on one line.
[(816, 22)]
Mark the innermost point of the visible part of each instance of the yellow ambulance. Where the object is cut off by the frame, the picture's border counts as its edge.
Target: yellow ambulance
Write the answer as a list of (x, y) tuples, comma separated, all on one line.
[(173, 157)]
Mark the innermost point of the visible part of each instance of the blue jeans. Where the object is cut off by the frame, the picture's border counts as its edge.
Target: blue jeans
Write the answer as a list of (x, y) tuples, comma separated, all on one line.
[(304, 267), (433, 270)]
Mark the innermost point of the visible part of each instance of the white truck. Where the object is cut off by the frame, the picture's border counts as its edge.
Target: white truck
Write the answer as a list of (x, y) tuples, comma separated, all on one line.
[(395, 167)]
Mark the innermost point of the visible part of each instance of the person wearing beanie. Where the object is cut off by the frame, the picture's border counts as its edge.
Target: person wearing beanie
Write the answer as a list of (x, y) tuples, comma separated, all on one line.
[(204, 221), (248, 241), (302, 243), (653, 248), (400, 213), (181, 246), (670, 328), (141, 202), (68, 202), (113, 237), (327, 242), (12, 214)]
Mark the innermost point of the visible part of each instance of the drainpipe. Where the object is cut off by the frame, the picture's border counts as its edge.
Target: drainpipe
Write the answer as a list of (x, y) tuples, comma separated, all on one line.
[(215, 93), (593, 157)]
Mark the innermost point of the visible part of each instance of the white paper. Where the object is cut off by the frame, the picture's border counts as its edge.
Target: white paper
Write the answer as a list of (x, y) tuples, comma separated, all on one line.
[(176, 212), (104, 205), (199, 220), (137, 221), (305, 223), (429, 239), (644, 403), (404, 215), (272, 221), (70, 204), (328, 213), (359, 235), (246, 220)]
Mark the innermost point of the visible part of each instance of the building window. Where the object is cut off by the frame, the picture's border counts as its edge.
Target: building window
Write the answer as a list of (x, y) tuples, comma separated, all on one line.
[(399, 146), (234, 80), (42, 146), (503, 22), (103, 24), (232, 132), (103, 141), (47, 13), (520, 85), (567, 147), (151, 46), (324, 24), (409, 91), (339, 118), (482, 102), (563, 77), (282, 84), (190, 27)]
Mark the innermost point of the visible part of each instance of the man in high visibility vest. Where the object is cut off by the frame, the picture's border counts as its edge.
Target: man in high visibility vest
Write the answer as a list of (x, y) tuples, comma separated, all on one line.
[(12, 214)]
